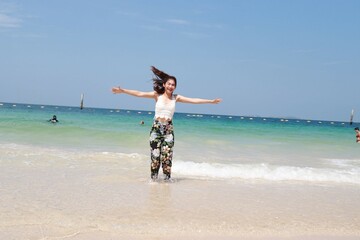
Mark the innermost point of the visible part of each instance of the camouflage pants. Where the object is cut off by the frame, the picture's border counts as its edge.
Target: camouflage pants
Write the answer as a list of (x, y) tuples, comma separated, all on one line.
[(161, 147)]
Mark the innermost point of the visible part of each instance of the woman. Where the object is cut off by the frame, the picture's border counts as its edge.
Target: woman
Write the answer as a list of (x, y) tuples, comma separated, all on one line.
[(162, 134)]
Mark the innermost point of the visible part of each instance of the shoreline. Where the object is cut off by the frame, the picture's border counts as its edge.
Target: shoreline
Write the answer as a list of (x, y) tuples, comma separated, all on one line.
[(91, 202), (88, 178)]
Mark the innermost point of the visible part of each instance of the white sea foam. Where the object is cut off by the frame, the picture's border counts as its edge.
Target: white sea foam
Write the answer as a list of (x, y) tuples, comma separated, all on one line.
[(344, 163), (18, 153), (266, 172), (334, 170)]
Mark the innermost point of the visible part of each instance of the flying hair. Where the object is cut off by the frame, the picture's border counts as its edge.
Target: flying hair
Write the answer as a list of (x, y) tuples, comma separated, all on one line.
[(160, 79)]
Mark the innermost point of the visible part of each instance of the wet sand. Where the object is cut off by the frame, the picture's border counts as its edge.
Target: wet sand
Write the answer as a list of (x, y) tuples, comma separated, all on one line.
[(95, 201)]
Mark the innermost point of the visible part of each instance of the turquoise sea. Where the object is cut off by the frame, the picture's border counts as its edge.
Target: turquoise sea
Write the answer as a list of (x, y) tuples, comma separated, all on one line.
[(234, 177), (224, 146)]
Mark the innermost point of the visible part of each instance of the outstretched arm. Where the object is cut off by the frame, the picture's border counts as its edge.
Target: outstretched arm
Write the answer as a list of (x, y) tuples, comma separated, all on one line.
[(135, 93), (197, 100)]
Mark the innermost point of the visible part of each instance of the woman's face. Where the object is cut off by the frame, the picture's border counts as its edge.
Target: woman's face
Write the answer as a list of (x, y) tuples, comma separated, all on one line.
[(170, 86)]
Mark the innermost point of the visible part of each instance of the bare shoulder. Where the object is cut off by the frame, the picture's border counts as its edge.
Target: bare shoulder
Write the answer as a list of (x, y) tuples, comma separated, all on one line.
[(178, 97)]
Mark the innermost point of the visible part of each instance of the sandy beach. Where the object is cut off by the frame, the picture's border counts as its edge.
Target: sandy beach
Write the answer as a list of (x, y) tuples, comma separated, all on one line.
[(250, 108), (93, 200), (87, 177)]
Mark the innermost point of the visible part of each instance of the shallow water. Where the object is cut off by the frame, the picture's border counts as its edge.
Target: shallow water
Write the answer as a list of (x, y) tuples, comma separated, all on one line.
[(87, 177)]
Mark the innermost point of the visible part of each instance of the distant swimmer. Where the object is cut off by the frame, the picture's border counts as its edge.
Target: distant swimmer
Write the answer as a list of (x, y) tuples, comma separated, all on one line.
[(162, 134), (141, 122), (53, 119), (357, 134)]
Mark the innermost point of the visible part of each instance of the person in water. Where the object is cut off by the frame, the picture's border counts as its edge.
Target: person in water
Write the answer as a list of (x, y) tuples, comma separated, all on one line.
[(162, 131), (53, 119), (357, 132)]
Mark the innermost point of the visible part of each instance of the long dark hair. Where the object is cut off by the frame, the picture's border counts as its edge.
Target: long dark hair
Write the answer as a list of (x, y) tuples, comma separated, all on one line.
[(160, 79)]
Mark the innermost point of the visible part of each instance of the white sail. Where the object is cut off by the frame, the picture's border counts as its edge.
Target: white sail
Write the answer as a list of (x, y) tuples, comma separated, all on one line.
[(82, 101), (351, 116)]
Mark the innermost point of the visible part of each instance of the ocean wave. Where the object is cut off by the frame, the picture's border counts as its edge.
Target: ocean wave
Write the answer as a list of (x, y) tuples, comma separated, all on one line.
[(344, 163), (23, 152), (266, 172), (334, 170)]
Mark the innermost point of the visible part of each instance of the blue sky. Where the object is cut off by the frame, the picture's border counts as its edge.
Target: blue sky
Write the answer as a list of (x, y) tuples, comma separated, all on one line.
[(263, 58)]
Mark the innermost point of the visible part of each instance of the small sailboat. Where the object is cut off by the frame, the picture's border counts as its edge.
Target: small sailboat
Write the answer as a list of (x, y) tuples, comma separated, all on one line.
[(351, 117), (82, 101)]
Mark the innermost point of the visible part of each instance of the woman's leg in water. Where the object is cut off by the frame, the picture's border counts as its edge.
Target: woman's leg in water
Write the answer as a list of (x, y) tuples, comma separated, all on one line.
[(155, 149), (161, 147), (166, 154)]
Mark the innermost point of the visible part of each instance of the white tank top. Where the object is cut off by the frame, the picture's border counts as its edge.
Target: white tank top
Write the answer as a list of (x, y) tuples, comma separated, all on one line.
[(165, 110)]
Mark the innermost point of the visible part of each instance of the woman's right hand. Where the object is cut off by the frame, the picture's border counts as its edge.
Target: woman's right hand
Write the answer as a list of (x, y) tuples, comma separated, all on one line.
[(117, 90)]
